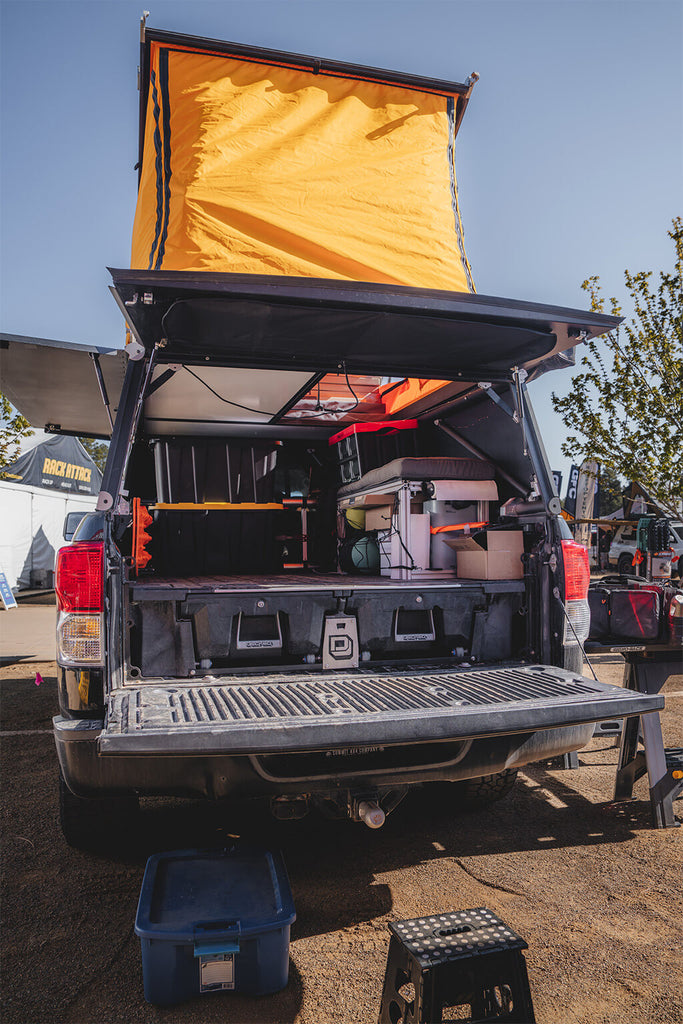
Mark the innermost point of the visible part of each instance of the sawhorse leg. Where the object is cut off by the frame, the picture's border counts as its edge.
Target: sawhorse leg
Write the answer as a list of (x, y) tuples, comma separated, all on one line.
[(633, 762)]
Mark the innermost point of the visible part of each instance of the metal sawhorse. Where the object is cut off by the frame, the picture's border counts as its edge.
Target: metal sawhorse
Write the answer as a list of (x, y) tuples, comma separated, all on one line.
[(663, 767)]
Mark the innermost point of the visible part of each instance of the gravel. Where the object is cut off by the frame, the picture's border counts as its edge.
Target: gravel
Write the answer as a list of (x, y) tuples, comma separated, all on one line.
[(591, 886)]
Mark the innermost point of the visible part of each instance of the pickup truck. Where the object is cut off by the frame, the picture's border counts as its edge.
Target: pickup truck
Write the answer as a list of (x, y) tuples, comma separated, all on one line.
[(329, 563), (240, 659)]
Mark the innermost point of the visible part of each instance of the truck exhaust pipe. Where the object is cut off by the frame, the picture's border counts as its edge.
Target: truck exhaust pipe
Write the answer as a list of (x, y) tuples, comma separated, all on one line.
[(371, 813)]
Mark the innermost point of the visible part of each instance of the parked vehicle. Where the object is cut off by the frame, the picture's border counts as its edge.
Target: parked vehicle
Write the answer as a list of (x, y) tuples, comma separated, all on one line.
[(623, 548), (332, 564)]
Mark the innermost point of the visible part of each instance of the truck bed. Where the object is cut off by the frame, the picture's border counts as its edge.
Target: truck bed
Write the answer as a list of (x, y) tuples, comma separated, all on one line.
[(160, 587)]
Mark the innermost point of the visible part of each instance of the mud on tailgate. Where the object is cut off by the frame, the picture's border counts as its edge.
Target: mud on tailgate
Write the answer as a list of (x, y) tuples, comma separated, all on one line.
[(307, 711)]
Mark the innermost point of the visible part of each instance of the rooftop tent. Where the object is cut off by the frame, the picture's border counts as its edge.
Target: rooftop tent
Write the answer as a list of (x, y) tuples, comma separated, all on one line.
[(254, 161)]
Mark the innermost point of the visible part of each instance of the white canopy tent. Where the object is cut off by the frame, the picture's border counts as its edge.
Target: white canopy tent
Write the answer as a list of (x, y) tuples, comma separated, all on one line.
[(41, 487)]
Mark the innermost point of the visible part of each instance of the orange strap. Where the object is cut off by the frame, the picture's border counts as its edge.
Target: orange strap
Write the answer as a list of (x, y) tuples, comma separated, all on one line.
[(457, 526), (637, 558)]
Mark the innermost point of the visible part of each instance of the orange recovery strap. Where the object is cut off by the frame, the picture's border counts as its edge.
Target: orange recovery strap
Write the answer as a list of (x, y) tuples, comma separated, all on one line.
[(467, 527)]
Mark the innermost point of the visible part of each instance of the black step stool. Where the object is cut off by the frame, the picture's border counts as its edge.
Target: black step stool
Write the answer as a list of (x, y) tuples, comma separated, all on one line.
[(466, 958)]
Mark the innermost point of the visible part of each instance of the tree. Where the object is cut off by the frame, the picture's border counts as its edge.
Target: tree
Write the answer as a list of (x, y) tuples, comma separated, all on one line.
[(611, 497), (97, 450), (626, 406), (13, 428)]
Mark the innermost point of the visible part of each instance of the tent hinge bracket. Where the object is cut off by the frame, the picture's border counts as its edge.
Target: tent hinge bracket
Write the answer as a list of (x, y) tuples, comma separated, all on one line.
[(495, 397)]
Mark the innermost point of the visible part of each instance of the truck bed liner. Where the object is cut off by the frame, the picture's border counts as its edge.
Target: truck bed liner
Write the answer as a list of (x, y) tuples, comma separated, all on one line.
[(314, 711)]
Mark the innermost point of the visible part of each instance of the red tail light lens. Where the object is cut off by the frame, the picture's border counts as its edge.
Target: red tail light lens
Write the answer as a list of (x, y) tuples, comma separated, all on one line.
[(79, 577), (577, 575)]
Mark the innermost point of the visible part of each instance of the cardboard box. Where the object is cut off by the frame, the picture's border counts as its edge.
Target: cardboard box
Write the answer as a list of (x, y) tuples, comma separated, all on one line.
[(501, 559), (365, 500), (378, 517)]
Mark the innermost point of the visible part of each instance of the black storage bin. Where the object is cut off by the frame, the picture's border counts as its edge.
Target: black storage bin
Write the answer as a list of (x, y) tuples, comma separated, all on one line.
[(195, 543), (207, 469), (365, 446)]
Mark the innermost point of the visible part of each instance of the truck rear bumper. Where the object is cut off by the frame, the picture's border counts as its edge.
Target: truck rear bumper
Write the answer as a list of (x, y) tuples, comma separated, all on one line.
[(90, 774), (237, 736)]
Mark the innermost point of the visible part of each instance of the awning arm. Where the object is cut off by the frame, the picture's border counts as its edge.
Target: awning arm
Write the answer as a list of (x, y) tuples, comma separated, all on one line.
[(102, 386), (521, 488)]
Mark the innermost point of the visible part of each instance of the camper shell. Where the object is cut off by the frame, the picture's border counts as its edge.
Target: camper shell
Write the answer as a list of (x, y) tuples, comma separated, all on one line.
[(249, 656)]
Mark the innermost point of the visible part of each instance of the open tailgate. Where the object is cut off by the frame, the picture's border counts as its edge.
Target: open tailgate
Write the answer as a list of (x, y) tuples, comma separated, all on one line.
[(314, 711)]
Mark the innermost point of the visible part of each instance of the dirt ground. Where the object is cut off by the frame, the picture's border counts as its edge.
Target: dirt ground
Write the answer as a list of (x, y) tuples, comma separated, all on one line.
[(592, 887)]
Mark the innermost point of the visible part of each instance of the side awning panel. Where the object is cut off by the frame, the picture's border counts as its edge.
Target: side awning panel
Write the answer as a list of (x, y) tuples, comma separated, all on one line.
[(54, 384)]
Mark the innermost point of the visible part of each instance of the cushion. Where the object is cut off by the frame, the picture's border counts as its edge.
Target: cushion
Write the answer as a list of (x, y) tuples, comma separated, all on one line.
[(420, 469)]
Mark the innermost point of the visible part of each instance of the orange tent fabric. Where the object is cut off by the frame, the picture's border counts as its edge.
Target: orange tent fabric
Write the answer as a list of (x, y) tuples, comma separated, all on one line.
[(397, 398), (250, 167)]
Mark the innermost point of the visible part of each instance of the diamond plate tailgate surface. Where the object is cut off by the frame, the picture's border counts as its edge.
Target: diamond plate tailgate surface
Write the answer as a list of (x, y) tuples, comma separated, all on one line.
[(307, 711)]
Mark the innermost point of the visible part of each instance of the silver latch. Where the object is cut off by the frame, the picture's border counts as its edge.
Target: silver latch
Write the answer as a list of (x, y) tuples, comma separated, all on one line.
[(340, 642)]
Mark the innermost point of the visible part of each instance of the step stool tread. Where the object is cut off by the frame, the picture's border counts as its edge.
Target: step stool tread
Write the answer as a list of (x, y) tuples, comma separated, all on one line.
[(442, 938)]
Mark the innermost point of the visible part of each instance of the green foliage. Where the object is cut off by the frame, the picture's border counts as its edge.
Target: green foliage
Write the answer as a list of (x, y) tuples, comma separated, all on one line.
[(611, 497), (625, 408), (97, 450), (13, 427)]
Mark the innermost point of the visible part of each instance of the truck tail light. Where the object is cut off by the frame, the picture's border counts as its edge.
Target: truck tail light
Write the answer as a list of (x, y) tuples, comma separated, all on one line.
[(577, 574), (576, 582), (79, 586), (79, 639), (79, 577)]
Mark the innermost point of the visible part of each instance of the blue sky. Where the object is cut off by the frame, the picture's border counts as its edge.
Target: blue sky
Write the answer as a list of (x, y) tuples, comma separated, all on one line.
[(570, 156)]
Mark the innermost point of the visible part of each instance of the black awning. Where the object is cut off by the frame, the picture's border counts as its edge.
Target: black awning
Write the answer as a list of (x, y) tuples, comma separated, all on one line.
[(54, 384), (327, 325)]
